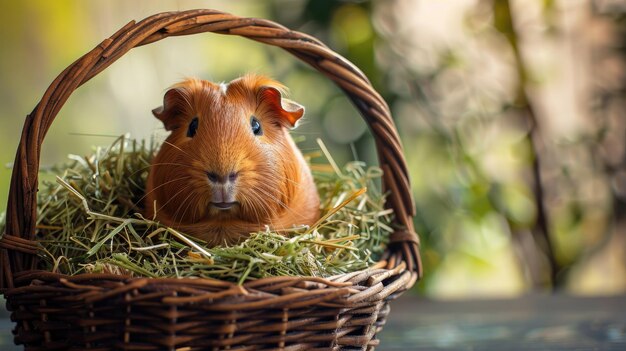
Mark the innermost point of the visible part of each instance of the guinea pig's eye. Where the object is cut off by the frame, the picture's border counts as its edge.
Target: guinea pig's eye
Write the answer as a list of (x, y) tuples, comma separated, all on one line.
[(256, 126), (193, 126)]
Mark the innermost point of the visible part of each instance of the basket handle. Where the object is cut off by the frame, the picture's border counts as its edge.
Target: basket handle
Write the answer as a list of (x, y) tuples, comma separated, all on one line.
[(18, 249)]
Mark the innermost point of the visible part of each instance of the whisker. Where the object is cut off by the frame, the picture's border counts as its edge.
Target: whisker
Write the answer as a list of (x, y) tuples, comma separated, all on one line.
[(155, 188), (256, 214), (163, 184), (258, 200), (277, 191), (174, 217), (247, 205), (157, 164), (194, 200), (276, 199), (195, 211), (171, 198), (188, 204), (269, 214), (273, 213), (176, 147), (277, 177)]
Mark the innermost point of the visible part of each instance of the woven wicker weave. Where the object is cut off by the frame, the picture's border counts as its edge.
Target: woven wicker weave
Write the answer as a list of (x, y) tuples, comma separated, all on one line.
[(101, 311)]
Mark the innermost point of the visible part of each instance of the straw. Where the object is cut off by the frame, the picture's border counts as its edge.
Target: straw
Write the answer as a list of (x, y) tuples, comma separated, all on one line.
[(89, 222)]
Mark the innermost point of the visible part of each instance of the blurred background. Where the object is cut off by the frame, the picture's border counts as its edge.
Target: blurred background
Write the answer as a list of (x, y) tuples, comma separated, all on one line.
[(512, 116)]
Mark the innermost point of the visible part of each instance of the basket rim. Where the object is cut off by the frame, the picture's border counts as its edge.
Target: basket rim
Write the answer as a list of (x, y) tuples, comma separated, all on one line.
[(364, 286), (18, 250)]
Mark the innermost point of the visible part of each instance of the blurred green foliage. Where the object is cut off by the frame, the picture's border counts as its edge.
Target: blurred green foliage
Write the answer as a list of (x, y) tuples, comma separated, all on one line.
[(475, 88)]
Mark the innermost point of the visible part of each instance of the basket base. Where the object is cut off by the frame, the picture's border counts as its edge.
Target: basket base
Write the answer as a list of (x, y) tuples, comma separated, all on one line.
[(150, 314)]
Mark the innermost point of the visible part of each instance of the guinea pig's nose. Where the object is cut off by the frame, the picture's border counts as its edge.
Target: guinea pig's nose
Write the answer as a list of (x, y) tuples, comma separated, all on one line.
[(218, 179)]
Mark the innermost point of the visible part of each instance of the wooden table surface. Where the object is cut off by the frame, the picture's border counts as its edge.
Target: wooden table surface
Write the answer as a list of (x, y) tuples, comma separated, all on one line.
[(534, 322), (528, 323)]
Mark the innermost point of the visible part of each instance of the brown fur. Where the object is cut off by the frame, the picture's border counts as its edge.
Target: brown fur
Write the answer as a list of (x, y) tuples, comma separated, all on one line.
[(274, 186)]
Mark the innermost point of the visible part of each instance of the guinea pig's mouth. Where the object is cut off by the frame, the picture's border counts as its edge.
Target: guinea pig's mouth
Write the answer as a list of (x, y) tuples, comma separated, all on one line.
[(223, 205)]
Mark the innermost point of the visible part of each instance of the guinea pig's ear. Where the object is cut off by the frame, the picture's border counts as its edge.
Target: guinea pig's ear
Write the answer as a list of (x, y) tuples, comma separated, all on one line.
[(172, 107), (289, 112)]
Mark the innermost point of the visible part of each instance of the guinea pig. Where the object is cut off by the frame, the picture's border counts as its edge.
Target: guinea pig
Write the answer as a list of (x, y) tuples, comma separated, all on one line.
[(229, 166)]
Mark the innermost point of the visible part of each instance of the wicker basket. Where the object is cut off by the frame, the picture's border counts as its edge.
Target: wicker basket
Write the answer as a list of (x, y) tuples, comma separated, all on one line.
[(103, 311)]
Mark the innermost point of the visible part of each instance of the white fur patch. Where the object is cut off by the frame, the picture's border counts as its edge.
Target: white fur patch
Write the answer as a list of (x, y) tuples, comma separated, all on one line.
[(223, 88)]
